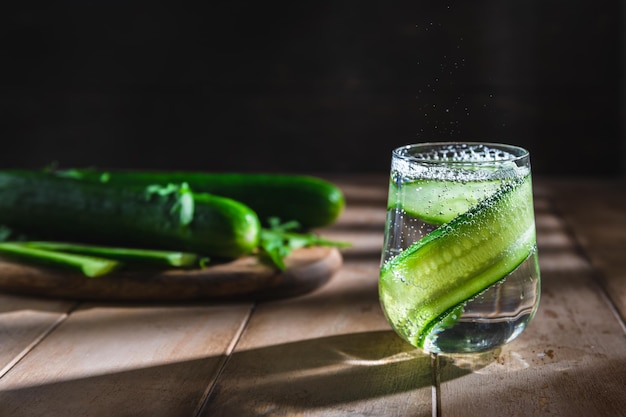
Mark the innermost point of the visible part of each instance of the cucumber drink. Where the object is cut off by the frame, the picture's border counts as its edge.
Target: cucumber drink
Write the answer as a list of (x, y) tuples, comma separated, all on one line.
[(459, 269)]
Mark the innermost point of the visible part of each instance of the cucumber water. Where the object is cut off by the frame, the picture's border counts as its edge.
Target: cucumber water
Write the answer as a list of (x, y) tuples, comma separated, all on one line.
[(459, 270)]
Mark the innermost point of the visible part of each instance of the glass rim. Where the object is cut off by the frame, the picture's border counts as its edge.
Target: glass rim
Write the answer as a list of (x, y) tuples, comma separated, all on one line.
[(517, 152)]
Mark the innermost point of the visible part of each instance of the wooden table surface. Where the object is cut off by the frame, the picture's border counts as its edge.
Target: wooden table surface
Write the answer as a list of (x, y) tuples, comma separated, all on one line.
[(331, 352)]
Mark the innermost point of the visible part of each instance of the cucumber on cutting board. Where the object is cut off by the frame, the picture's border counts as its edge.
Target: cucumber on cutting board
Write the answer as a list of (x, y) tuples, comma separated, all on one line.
[(311, 201), (174, 218)]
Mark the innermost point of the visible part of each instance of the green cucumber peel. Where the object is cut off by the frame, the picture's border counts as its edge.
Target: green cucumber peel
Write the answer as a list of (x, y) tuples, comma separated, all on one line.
[(464, 257), (127, 255), (88, 265)]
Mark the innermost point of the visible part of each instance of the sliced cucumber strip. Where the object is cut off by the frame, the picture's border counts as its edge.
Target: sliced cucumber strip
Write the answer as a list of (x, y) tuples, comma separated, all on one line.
[(438, 202), (89, 265), (457, 261), (131, 255)]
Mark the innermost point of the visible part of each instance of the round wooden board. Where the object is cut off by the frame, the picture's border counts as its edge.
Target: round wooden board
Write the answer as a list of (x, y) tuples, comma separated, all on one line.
[(245, 278)]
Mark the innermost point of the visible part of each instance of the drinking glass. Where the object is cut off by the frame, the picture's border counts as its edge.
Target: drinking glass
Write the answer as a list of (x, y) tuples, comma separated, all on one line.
[(459, 270)]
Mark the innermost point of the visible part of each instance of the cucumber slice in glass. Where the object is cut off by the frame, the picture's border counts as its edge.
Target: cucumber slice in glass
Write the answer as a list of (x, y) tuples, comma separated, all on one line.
[(458, 261), (438, 202)]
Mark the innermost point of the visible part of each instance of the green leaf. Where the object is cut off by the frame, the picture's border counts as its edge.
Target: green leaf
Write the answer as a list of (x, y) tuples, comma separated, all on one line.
[(5, 233), (204, 261), (184, 204), (279, 240), (69, 173)]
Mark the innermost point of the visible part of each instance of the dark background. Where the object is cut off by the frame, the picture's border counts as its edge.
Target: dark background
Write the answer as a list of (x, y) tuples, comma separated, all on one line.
[(310, 86)]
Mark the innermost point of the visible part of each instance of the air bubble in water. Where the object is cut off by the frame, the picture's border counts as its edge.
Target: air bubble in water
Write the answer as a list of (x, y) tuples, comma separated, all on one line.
[(501, 165)]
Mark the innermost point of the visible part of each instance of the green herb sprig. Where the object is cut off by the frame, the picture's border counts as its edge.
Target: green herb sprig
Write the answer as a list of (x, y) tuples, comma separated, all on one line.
[(279, 240)]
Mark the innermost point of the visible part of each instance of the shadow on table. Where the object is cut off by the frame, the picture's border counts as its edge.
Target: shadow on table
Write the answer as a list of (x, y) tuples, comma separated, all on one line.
[(342, 373), (333, 372)]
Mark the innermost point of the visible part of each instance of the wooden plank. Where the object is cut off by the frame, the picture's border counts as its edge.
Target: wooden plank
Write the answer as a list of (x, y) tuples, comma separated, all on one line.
[(570, 361), (331, 352), (595, 212), (24, 322), (124, 360)]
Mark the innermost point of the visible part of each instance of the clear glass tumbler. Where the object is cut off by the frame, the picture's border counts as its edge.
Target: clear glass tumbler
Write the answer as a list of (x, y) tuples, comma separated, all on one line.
[(459, 270)]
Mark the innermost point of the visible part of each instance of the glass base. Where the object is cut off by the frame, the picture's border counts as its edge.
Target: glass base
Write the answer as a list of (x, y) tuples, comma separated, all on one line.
[(474, 336)]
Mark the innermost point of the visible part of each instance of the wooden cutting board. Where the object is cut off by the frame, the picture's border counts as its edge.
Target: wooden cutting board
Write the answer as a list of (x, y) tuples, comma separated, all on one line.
[(245, 278)]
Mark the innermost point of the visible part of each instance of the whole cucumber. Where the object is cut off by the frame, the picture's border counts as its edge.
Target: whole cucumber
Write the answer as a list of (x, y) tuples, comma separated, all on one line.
[(46, 206), (311, 201)]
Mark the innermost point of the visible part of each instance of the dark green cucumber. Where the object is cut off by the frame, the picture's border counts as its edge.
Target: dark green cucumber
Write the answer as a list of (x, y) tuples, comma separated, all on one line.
[(311, 201), (48, 207)]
